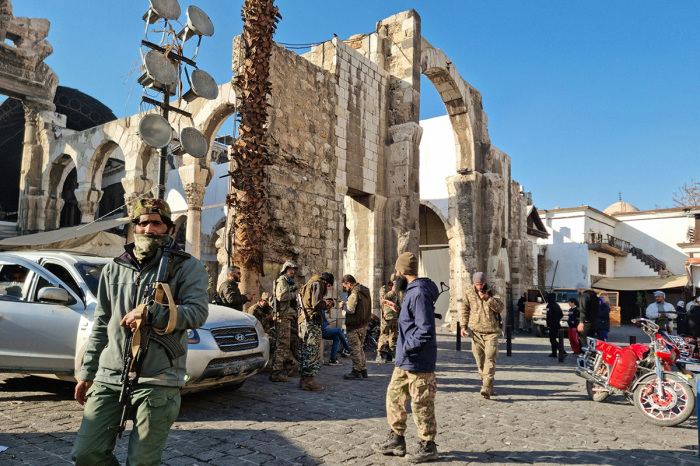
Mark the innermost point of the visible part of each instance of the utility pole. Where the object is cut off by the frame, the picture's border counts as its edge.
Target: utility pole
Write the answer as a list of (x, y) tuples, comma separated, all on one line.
[(248, 193)]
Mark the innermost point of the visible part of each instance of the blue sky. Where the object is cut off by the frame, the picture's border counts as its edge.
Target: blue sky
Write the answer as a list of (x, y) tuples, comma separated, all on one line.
[(588, 98)]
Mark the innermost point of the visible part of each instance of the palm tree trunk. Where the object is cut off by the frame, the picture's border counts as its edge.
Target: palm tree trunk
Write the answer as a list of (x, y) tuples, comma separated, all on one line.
[(248, 192)]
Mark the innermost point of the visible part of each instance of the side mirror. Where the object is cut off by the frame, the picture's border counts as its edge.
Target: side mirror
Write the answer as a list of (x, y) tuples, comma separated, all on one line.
[(539, 300), (54, 295)]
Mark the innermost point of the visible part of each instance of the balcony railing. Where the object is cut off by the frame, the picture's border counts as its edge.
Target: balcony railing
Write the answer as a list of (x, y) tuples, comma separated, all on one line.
[(593, 237)]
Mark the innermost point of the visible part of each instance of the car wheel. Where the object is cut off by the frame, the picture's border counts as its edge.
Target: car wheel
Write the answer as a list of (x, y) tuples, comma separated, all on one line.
[(234, 386), (540, 331)]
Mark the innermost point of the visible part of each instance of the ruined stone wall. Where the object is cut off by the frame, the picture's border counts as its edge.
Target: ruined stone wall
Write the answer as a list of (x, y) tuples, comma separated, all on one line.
[(304, 213)]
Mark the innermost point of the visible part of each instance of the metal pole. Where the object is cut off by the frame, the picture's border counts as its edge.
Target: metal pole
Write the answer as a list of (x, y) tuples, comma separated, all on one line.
[(459, 338), (163, 151), (561, 345), (509, 336)]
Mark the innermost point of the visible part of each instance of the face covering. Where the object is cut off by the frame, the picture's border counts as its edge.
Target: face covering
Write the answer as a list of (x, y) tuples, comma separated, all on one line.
[(147, 244), (401, 283)]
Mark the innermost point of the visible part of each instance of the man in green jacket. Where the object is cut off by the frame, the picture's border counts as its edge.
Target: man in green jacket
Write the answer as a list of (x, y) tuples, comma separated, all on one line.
[(480, 312), (156, 396), (359, 309), (230, 294)]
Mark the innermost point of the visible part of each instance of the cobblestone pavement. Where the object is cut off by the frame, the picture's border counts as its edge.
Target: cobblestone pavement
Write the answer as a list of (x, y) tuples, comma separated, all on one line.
[(541, 415)]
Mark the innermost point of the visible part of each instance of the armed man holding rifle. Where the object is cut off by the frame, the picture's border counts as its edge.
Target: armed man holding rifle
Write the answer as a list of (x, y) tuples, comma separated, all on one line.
[(153, 293)]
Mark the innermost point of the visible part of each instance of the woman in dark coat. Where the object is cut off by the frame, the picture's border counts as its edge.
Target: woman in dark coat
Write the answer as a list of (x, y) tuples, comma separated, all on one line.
[(554, 315), (681, 319)]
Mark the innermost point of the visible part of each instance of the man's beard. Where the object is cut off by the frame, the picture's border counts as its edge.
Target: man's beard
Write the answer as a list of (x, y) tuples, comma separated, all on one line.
[(401, 283)]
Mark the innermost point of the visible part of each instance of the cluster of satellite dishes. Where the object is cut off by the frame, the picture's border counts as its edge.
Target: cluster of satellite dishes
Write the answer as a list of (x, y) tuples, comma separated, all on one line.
[(161, 64)]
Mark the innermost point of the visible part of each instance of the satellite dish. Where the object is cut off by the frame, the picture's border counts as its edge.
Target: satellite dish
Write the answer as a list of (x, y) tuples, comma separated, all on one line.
[(201, 85), (155, 130), (194, 142), (198, 24), (167, 9), (160, 72)]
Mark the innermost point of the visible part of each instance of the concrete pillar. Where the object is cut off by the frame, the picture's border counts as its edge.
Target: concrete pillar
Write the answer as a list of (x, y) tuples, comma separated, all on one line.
[(88, 201), (194, 178)]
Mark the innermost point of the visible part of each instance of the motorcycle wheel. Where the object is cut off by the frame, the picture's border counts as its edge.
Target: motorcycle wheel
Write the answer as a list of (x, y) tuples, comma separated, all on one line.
[(677, 405), (596, 392)]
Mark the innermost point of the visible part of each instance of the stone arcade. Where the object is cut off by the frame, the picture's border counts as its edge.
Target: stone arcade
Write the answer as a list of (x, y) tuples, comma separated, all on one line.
[(344, 134)]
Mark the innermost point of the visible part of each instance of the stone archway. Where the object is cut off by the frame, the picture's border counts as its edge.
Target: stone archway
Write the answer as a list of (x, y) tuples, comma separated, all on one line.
[(435, 253), (456, 95), (57, 173)]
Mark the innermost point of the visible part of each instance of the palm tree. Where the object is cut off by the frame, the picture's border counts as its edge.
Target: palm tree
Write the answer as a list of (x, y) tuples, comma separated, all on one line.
[(248, 194)]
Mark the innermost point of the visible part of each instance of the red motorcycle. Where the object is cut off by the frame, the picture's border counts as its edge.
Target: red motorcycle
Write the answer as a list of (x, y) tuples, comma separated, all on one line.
[(641, 373)]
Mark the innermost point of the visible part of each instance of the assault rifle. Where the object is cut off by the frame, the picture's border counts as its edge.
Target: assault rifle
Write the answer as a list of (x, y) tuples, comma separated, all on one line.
[(137, 342)]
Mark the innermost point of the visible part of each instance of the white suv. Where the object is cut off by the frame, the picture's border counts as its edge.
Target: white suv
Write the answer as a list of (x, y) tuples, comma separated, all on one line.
[(47, 306)]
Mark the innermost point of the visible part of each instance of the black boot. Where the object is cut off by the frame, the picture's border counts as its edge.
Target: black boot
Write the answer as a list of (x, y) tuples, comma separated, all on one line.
[(354, 375), (364, 373), (427, 451), (394, 444)]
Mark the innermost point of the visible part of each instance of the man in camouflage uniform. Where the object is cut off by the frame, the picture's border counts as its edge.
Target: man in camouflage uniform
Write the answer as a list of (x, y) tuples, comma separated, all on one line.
[(263, 312), (284, 362), (357, 314), (310, 329), (156, 396), (414, 374), (390, 324), (480, 312), (229, 293)]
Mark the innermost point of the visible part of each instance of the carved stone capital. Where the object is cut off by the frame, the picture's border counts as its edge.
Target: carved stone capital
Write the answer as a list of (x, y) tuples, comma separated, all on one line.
[(195, 195), (406, 132)]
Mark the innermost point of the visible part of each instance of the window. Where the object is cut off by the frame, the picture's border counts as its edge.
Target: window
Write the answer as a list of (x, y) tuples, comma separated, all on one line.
[(13, 281), (65, 276), (602, 266)]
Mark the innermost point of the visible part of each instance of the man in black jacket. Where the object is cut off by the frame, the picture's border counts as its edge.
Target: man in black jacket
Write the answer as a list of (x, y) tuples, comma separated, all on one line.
[(554, 315), (588, 306)]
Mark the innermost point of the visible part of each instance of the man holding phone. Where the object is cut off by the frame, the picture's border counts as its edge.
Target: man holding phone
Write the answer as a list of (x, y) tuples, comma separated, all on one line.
[(480, 313)]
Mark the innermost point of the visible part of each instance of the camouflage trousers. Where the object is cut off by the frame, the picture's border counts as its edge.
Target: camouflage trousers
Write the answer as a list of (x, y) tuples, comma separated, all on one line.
[(485, 351), (356, 340), (421, 388), (283, 352), (388, 335), (310, 349)]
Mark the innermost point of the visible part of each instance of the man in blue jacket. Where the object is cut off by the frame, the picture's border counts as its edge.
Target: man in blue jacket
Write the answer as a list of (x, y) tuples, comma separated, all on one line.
[(414, 374)]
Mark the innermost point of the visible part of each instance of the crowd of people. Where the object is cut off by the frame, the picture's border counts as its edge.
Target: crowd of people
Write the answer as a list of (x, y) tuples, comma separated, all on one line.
[(295, 317)]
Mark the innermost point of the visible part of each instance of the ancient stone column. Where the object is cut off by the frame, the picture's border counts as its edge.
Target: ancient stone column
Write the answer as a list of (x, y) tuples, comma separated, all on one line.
[(32, 198), (403, 202), (88, 201), (195, 179)]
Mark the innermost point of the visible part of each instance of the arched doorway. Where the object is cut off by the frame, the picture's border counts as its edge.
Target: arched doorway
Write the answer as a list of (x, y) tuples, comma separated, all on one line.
[(435, 253)]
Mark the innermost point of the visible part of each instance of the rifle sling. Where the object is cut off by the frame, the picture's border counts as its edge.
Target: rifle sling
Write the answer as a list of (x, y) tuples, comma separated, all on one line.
[(162, 288)]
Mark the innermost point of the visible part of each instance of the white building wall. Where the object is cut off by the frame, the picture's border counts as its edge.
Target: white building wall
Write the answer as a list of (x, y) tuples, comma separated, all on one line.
[(438, 160), (659, 236)]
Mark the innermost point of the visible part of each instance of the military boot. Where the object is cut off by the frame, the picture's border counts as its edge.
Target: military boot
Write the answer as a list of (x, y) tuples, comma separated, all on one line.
[(278, 376), (381, 357), (309, 384), (427, 451), (292, 369), (354, 375), (364, 373), (394, 444), (487, 388)]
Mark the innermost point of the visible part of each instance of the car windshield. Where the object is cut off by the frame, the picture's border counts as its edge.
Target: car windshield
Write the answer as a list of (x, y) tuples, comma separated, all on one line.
[(564, 295), (91, 275)]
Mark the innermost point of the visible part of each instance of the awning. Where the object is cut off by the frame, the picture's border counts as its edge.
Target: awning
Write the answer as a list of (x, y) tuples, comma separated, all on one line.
[(62, 234), (91, 238), (641, 283)]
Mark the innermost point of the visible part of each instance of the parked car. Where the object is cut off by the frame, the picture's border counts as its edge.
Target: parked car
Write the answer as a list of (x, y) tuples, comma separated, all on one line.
[(47, 306), (539, 316)]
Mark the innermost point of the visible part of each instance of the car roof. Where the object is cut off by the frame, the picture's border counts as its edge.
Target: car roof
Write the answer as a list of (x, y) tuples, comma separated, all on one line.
[(72, 257)]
